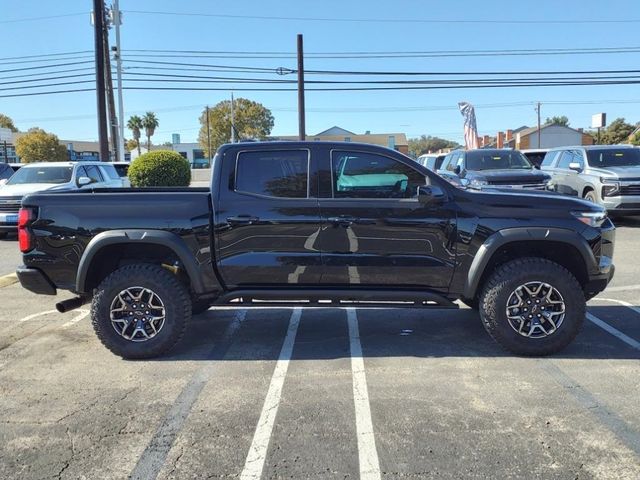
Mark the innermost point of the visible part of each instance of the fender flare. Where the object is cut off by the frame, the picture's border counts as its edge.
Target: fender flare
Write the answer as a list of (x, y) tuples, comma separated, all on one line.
[(510, 235), (154, 237)]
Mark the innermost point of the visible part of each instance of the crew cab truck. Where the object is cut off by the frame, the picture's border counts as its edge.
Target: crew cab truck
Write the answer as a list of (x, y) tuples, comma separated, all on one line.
[(317, 224)]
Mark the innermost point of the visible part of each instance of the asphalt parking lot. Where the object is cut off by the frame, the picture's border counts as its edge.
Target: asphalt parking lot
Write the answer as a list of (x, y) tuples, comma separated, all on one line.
[(341, 393)]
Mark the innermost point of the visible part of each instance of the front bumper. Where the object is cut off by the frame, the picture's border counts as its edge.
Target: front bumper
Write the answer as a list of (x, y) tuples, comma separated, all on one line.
[(8, 222), (35, 281), (622, 204)]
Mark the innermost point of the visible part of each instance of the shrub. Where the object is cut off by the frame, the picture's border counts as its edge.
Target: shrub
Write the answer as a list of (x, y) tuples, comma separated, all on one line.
[(161, 168)]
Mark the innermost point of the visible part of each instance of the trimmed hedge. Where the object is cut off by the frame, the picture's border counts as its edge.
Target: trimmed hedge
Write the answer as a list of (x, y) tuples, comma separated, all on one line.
[(160, 168)]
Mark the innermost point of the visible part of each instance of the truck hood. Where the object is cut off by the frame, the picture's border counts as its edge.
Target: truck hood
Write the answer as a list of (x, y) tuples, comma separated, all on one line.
[(508, 176), (21, 190), (532, 199), (622, 173)]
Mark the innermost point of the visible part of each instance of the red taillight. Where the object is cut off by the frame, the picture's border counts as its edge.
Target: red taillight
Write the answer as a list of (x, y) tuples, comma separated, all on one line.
[(25, 237)]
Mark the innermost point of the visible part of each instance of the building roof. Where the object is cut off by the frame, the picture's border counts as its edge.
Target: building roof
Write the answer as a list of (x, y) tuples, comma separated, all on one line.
[(529, 131), (335, 130)]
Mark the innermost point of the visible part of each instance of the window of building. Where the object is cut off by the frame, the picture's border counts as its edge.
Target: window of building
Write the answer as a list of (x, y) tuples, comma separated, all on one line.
[(367, 175), (391, 142), (198, 154), (279, 173), (347, 139)]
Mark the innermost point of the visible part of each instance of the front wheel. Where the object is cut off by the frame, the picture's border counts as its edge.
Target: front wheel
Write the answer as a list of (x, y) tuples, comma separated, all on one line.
[(140, 311), (591, 196), (532, 306)]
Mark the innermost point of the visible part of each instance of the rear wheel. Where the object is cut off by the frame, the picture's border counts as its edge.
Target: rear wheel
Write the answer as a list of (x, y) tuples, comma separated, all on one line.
[(532, 306), (140, 311)]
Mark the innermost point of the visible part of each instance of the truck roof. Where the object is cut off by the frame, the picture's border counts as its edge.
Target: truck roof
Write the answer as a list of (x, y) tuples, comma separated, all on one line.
[(305, 144)]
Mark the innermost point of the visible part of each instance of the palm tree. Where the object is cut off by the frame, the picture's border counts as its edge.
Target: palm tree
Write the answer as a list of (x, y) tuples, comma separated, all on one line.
[(135, 125), (150, 123)]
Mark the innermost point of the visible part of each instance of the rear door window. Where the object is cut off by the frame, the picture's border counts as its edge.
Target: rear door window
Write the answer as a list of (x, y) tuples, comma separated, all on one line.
[(281, 173)]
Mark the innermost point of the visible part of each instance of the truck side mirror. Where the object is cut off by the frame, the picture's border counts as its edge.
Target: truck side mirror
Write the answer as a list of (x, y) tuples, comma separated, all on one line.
[(430, 195), (575, 166), (82, 181), (457, 170)]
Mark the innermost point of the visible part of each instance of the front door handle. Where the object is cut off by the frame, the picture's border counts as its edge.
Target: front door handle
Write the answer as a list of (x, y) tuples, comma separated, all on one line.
[(343, 221), (242, 220)]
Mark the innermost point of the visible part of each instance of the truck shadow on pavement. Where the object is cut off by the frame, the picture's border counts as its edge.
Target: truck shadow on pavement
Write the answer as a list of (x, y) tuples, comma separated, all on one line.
[(323, 335), (633, 222)]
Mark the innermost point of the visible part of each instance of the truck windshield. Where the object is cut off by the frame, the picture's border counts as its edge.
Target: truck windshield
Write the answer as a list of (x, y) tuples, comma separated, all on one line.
[(41, 174), (503, 160), (614, 157)]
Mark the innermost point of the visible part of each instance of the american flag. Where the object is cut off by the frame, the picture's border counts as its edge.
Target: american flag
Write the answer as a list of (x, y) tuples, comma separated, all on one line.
[(470, 127)]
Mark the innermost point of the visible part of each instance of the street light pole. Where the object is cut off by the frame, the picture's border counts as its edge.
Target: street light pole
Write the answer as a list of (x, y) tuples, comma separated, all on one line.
[(117, 20)]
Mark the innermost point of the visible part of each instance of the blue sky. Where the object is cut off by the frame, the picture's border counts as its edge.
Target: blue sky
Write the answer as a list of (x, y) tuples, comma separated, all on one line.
[(72, 116)]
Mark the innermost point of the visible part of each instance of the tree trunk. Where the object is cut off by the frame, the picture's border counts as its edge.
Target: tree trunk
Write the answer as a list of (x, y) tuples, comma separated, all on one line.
[(138, 144)]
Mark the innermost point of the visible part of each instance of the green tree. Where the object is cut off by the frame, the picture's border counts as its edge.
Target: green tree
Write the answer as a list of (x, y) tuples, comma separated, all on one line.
[(251, 120), (635, 139), (131, 144), (39, 146), (135, 125), (557, 120), (618, 131), (150, 123), (7, 122), (427, 143)]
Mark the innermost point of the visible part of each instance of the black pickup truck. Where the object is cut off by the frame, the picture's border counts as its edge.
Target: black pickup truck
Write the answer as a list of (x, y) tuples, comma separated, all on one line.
[(317, 224)]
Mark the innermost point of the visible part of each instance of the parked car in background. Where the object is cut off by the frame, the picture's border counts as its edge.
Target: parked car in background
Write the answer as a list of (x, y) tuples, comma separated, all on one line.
[(51, 176), (432, 161), (535, 155), (16, 166), (492, 168), (608, 175)]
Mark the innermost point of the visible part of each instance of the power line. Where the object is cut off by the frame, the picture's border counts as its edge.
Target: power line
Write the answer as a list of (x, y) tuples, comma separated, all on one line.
[(49, 17), (40, 67), (62, 59), (47, 55), (85, 69), (379, 55), (41, 79), (31, 94), (386, 20)]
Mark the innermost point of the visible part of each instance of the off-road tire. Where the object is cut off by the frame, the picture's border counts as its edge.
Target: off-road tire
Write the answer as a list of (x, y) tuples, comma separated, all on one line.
[(173, 293), (506, 278)]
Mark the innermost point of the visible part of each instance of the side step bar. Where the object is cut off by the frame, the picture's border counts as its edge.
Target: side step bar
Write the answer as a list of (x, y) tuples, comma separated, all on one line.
[(335, 298)]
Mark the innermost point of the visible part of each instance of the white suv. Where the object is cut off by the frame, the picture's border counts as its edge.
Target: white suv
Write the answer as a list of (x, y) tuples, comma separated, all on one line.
[(51, 176)]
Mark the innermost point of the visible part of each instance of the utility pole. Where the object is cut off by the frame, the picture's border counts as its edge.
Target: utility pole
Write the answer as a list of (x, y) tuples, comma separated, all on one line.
[(98, 37), (538, 110), (301, 115), (111, 106), (233, 122), (208, 135), (117, 21)]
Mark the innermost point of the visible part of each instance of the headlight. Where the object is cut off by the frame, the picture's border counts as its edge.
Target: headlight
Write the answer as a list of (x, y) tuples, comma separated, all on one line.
[(478, 183), (610, 186), (593, 219)]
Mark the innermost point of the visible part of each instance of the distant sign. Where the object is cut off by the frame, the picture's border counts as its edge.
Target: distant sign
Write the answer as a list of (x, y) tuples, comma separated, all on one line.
[(599, 120)]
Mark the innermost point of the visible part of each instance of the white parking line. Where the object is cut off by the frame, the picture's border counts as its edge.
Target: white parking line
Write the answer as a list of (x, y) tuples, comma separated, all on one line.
[(613, 331), (36, 315), (367, 453), (621, 302), (81, 314), (258, 451)]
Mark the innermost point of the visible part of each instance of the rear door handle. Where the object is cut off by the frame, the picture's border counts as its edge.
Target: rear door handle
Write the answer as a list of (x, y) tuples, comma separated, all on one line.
[(242, 220), (343, 220)]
